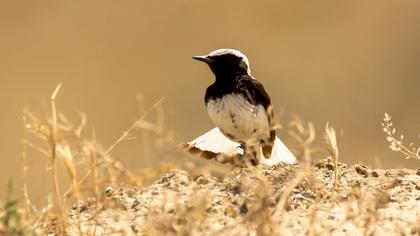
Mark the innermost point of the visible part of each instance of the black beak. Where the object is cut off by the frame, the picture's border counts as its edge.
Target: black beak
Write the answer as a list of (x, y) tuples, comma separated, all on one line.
[(205, 59)]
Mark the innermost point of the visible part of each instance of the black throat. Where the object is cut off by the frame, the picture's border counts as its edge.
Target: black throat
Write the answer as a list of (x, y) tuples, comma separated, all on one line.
[(222, 86), (243, 85)]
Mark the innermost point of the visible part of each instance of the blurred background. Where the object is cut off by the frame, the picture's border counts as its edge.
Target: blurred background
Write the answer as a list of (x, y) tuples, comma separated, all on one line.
[(343, 62)]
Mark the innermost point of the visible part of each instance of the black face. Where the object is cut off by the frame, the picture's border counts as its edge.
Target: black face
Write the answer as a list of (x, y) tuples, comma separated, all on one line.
[(225, 65)]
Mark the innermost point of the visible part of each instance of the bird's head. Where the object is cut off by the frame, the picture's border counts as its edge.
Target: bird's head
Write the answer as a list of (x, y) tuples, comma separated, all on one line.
[(226, 62)]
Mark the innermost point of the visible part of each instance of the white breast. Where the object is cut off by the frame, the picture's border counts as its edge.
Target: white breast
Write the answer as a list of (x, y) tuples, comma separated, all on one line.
[(238, 119)]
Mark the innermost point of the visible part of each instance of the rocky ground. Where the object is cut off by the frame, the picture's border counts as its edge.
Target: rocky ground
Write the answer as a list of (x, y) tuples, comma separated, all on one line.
[(254, 201)]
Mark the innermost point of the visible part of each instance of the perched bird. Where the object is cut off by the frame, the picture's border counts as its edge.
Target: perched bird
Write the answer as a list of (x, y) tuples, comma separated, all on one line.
[(241, 109)]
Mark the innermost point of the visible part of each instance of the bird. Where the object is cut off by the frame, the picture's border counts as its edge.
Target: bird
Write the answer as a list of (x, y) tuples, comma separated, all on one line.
[(241, 110)]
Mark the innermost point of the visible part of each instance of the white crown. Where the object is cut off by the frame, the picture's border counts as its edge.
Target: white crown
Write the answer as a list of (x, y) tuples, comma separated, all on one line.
[(223, 51)]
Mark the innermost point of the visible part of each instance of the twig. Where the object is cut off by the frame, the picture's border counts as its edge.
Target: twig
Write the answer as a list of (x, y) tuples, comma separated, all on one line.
[(396, 144)]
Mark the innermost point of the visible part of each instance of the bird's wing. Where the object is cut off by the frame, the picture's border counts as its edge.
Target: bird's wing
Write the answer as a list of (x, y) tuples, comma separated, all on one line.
[(253, 91)]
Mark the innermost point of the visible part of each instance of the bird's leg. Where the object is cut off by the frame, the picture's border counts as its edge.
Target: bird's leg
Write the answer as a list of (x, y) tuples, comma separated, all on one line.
[(250, 153), (267, 148), (267, 145)]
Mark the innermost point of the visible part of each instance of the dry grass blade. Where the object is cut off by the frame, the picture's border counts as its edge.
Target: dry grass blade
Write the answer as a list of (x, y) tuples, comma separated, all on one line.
[(53, 147), (93, 160), (145, 140), (304, 136), (66, 155), (330, 138), (133, 126), (30, 209)]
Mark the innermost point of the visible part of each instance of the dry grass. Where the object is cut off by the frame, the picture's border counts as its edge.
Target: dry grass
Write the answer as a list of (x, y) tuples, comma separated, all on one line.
[(304, 136), (396, 143), (104, 197), (82, 159), (330, 138)]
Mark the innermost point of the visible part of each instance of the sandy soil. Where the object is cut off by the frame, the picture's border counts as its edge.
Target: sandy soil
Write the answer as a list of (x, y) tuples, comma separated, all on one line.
[(246, 202)]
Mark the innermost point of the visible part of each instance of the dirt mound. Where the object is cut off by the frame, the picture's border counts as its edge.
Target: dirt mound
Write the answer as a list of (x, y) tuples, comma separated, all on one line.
[(246, 202)]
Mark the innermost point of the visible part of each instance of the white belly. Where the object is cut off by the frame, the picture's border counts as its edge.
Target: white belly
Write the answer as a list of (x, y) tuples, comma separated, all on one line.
[(238, 119)]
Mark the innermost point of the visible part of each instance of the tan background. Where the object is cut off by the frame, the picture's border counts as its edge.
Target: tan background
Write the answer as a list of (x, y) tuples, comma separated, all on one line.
[(346, 62)]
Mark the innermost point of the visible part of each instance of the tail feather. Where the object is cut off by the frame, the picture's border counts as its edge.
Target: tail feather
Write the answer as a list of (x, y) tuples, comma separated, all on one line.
[(214, 141), (280, 153)]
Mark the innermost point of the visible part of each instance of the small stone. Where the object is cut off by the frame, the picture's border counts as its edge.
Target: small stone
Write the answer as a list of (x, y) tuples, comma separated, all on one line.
[(402, 173), (135, 204), (235, 190), (170, 209), (362, 170), (134, 229), (331, 217), (131, 192), (388, 173), (108, 191), (83, 209), (329, 166), (166, 178), (243, 209), (202, 180), (374, 174)]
